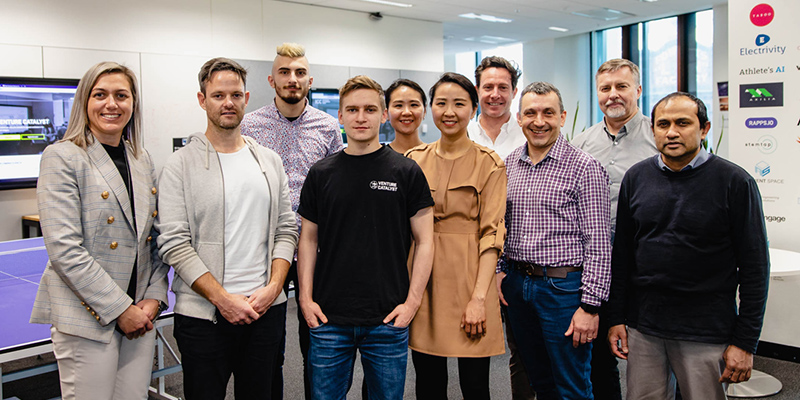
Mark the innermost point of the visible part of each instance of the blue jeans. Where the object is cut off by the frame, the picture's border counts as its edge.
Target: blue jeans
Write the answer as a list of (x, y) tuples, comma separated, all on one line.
[(540, 310), (332, 354)]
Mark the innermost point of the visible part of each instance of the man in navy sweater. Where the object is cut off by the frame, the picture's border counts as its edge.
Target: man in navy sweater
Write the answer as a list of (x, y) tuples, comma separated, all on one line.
[(690, 233)]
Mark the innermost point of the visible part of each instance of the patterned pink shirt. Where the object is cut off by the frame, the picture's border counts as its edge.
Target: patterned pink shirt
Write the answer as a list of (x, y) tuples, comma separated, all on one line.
[(558, 215), (311, 137)]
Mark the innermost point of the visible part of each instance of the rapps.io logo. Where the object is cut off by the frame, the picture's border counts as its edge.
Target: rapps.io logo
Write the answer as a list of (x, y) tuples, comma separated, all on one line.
[(761, 123)]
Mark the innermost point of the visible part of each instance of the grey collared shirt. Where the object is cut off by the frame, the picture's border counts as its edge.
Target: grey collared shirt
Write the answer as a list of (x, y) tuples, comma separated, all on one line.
[(698, 160), (617, 153)]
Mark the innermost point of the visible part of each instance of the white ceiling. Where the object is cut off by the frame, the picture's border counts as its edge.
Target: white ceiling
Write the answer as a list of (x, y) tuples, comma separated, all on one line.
[(530, 18)]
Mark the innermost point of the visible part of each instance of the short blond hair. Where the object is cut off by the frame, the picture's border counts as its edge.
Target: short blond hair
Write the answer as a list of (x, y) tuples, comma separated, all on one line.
[(361, 82), (616, 64), (291, 50)]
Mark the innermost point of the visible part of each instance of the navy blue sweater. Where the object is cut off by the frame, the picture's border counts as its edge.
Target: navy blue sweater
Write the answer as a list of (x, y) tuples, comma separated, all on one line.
[(685, 242)]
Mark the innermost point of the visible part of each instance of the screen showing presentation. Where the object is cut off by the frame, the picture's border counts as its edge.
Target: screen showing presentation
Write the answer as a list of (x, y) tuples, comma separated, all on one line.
[(327, 100), (34, 113)]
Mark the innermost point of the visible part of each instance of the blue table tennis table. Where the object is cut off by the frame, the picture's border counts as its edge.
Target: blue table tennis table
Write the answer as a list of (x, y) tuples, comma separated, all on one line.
[(22, 264)]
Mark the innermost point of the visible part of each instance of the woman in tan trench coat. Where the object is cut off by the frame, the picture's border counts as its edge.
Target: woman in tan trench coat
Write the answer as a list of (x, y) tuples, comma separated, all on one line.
[(460, 311)]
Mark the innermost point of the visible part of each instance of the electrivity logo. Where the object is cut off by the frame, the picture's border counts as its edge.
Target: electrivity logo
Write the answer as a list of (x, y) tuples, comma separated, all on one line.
[(760, 49), (761, 95), (761, 123), (762, 14)]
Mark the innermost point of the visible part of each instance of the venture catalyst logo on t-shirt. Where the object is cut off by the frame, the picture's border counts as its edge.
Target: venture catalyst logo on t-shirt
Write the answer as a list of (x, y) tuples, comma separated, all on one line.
[(383, 185)]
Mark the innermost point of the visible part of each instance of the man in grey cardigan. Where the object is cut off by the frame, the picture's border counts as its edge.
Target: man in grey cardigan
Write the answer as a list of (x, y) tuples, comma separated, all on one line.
[(229, 232)]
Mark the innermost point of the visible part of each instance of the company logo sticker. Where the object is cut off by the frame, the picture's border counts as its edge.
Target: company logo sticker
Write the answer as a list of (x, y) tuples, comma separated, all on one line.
[(765, 144), (761, 95), (762, 168), (762, 39), (760, 71), (761, 123), (770, 199), (762, 14)]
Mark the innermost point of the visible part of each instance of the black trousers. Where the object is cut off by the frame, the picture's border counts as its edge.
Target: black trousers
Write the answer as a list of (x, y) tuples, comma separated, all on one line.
[(473, 377), (303, 338), (605, 373), (211, 352)]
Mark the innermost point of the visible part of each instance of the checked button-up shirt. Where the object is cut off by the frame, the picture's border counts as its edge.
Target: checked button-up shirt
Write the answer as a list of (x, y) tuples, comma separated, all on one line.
[(558, 215), (300, 143)]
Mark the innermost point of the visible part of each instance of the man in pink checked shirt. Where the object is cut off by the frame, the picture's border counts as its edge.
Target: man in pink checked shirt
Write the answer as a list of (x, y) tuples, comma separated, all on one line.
[(301, 135), (557, 257)]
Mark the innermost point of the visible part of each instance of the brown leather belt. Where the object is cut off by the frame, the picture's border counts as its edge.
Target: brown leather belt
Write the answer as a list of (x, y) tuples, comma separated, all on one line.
[(538, 270)]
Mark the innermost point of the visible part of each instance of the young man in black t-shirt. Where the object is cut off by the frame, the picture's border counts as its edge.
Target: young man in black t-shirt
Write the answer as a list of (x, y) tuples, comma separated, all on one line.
[(360, 209)]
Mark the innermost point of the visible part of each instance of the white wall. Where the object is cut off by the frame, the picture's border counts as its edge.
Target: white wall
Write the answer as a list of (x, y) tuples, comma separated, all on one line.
[(564, 62), (248, 29), (166, 42)]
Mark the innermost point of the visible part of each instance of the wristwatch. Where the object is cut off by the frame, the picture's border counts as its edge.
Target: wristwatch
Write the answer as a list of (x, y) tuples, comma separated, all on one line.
[(161, 308), (594, 310)]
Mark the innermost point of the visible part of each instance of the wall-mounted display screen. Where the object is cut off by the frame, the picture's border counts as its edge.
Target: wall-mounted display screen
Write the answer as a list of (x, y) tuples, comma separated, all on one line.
[(34, 113), (328, 100)]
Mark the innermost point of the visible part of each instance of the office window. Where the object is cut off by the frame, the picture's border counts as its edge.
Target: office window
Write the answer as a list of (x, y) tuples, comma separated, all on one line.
[(657, 46), (512, 53), (704, 63), (606, 45), (659, 61), (465, 64)]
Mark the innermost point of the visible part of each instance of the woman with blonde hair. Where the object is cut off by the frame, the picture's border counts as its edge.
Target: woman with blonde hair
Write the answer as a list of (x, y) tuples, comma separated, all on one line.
[(104, 285)]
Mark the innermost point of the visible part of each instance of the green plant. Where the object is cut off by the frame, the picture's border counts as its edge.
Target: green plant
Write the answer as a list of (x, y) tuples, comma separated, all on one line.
[(715, 149), (575, 121)]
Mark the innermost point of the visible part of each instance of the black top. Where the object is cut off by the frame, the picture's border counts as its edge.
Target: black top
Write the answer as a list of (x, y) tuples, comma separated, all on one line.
[(362, 206), (685, 242), (117, 155)]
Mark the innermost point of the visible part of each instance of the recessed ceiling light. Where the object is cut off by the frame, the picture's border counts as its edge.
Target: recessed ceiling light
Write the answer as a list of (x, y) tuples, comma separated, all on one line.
[(603, 14), (389, 3), (491, 39), (485, 17), (557, 29), (648, 1)]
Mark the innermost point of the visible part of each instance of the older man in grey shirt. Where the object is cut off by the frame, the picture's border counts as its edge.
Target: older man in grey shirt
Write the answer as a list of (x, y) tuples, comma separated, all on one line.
[(622, 139)]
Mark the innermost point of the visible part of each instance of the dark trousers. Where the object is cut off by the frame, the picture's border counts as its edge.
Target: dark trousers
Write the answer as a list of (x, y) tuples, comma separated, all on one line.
[(211, 352), (302, 333), (520, 385), (605, 373), (473, 377)]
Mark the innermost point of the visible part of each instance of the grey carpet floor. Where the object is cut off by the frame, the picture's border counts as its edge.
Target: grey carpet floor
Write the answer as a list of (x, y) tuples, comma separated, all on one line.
[(46, 386)]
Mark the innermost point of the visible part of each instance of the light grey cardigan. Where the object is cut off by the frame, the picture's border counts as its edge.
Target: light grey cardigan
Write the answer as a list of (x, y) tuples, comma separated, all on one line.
[(191, 219)]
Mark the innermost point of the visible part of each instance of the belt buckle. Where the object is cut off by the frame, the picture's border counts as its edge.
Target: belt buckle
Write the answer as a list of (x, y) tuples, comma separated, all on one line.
[(529, 270)]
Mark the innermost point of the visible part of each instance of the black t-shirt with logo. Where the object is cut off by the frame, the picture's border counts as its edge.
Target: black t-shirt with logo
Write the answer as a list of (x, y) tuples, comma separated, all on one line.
[(362, 206)]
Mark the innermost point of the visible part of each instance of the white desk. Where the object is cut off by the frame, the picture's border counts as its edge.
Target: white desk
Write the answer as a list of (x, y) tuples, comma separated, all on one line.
[(781, 322)]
